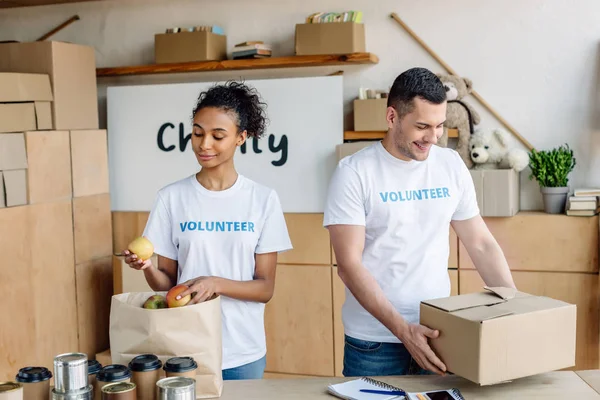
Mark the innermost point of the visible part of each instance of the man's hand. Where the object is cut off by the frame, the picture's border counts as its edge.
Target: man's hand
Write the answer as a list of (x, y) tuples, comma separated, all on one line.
[(202, 288), (414, 337)]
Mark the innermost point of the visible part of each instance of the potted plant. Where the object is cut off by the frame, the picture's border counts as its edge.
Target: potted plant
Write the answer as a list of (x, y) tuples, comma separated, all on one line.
[(551, 170)]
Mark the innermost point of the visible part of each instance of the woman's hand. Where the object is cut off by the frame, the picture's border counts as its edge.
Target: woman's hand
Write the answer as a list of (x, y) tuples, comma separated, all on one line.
[(201, 289), (135, 262)]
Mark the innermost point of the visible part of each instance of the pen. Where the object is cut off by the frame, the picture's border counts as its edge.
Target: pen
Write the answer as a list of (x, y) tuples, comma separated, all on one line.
[(395, 392)]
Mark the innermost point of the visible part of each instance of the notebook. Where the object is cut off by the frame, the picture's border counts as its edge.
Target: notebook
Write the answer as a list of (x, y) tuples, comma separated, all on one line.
[(351, 390)]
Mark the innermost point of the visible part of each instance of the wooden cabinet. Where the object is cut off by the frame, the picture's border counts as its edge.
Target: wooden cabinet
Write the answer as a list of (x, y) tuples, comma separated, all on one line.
[(299, 323)]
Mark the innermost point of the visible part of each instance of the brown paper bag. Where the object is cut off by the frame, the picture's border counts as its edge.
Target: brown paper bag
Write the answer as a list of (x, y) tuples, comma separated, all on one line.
[(193, 330)]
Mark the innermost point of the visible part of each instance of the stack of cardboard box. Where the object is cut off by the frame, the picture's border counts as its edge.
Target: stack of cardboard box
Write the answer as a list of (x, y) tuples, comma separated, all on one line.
[(55, 228)]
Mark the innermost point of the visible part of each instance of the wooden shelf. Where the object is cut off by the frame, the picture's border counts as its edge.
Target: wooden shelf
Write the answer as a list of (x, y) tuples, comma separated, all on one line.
[(365, 135), (233, 65)]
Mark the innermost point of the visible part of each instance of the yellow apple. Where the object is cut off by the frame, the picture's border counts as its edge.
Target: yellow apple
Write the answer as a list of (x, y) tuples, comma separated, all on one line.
[(141, 247)]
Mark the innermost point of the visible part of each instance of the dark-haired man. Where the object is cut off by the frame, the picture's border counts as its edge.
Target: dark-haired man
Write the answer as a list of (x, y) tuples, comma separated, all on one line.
[(388, 212)]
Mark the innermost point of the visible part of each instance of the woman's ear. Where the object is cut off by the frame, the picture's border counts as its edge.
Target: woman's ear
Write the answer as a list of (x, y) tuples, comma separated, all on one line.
[(242, 138)]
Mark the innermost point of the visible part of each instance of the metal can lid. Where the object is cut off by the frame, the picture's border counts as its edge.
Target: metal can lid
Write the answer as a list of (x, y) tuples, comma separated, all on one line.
[(180, 364), (33, 374), (71, 359), (94, 367), (114, 373), (144, 363), (177, 383), (119, 387), (9, 386)]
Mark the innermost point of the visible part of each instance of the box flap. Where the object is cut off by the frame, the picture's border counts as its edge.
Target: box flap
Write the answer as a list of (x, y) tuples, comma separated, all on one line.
[(483, 313), (502, 292), (524, 305), (464, 301)]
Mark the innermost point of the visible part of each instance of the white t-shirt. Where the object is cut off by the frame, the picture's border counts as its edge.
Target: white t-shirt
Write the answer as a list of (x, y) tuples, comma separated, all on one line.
[(217, 233), (406, 208)]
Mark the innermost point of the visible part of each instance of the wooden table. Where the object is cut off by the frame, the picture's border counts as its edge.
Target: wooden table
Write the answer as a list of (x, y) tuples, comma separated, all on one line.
[(554, 385)]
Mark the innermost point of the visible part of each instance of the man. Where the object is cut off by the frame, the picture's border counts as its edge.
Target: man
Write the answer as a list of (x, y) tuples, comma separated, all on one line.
[(388, 213)]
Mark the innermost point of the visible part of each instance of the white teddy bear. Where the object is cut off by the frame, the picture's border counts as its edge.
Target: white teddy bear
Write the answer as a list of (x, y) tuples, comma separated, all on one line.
[(489, 151)]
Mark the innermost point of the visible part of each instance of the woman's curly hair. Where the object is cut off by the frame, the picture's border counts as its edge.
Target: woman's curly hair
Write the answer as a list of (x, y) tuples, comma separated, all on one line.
[(240, 99)]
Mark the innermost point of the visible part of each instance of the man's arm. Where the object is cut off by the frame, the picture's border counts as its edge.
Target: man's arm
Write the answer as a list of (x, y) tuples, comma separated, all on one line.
[(484, 251), (348, 244)]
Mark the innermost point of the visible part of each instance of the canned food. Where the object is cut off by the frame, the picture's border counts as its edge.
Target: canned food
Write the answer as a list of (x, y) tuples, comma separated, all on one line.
[(119, 391), (176, 388), (11, 391), (70, 372), (83, 394)]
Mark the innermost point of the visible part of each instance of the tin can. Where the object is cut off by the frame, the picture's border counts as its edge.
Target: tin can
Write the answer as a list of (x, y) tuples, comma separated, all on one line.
[(176, 388), (11, 391), (82, 394), (70, 372), (119, 391)]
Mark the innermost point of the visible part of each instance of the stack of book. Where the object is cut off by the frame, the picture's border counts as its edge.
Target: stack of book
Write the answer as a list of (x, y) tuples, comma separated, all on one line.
[(348, 16), (584, 203), (252, 49)]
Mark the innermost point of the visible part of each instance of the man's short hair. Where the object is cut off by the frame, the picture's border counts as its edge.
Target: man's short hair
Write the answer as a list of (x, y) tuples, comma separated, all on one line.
[(415, 82)]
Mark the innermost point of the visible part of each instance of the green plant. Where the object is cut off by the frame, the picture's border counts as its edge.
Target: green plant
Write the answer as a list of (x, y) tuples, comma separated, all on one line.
[(551, 168)]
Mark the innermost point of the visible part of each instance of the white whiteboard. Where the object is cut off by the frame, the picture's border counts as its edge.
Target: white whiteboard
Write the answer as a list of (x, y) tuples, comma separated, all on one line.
[(307, 112)]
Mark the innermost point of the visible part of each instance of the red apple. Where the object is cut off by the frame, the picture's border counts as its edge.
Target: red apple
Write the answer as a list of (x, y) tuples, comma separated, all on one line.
[(155, 301), (172, 296)]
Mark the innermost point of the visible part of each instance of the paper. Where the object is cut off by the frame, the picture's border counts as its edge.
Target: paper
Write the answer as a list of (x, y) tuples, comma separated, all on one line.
[(351, 390)]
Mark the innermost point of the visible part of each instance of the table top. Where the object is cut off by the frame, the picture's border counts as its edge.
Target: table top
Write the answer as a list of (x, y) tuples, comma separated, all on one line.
[(553, 385)]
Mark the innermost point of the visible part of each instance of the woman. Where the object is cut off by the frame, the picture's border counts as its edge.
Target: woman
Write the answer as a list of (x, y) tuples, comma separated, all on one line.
[(219, 232)]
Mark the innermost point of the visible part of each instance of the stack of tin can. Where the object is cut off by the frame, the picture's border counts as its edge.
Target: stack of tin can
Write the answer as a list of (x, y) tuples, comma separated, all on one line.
[(71, 378)]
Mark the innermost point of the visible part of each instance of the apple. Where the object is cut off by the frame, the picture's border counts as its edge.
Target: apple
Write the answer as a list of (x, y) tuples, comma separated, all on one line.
[(172, 296), (155, 302), (141, 247)]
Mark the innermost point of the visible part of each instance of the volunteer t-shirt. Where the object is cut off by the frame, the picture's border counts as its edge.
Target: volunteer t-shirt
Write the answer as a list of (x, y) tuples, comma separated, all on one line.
[(217, 233), (406, 208)]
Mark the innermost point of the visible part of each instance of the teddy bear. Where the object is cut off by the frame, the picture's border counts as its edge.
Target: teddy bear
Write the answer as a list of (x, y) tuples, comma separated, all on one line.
[(489, 150), (460, 115)]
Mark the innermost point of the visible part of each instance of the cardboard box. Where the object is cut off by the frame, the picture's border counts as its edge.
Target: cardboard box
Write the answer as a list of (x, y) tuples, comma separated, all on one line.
[(15, 187), (189, 46), (72, 72), (19, 117), (330, 38), (127, 279), (501, 334), (346, 149), (12, 151), (497, 192), (92, 227), (49, 166), (104, 358), (89, 160), (16, 87), (369, 115)]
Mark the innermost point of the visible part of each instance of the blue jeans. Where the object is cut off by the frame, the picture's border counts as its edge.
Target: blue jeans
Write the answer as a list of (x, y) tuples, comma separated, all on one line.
[(364, 358), (253, 370)]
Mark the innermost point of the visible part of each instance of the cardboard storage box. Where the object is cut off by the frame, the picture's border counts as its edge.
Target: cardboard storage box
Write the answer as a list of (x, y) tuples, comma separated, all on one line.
[(501, 334), (189, 46), (497, 192), (19, 117), (330, 38), (346, 149), (16, 87), (13, 154), (2, 194), (72, 72), (369, 115)]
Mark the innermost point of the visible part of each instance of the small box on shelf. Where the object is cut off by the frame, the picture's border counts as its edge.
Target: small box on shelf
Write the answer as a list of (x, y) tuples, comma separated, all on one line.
[(330, 38), (183, 47), (497, 192), (369, 115)]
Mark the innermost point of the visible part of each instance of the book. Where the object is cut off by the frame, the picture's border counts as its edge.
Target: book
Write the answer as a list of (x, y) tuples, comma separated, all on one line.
[(587, 192)]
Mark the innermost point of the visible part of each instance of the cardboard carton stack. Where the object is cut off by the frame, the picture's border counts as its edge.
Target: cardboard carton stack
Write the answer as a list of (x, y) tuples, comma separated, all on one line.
[(55, 226)]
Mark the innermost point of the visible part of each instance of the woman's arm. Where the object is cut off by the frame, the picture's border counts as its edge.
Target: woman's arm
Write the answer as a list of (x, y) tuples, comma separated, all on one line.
[(260, 289), (160, 278)]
